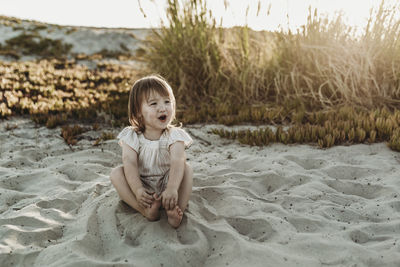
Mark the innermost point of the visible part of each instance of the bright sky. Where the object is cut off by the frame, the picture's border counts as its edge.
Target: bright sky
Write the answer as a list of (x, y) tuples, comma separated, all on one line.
[(126, 13)]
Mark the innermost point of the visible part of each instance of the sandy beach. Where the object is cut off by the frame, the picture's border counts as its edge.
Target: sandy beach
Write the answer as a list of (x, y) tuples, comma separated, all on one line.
[(254, 206), (278, 205)]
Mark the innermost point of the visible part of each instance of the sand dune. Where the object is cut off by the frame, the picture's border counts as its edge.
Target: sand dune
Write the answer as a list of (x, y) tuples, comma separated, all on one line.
[(271, 206), (86, 40)]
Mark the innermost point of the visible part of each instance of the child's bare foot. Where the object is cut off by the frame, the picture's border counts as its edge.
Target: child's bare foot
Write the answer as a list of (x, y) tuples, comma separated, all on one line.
[(175, 216), (153, 213)]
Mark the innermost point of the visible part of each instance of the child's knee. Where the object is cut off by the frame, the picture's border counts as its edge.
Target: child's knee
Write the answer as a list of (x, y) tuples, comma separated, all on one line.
[(116, 174)]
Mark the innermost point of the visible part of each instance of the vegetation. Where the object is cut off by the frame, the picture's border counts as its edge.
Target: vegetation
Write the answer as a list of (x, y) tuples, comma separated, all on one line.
[(345, 126), (239, 75), (323, 65), (35, 44), (325, 83), (104, 137), (70, 133), (30, 42), (55, 91)]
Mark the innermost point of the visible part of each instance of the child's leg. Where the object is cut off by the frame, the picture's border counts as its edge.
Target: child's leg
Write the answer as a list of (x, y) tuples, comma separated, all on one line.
[(185, 189), (118, 179)]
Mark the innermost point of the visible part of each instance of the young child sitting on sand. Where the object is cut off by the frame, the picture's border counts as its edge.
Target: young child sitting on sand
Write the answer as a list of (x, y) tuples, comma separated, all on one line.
[(154, 170)]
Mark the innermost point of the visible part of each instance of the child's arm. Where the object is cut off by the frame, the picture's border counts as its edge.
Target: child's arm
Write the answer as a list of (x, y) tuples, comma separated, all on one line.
[(177, 168), (131, 170)]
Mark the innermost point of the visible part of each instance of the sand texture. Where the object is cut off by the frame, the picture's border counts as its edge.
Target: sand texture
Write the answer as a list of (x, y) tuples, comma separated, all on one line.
[(271, 206)]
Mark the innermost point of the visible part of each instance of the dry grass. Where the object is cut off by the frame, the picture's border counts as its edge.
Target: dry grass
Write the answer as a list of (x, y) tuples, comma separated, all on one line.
[(303, 79), (337, 127), (104, 137), (321, 66), (71, 133)]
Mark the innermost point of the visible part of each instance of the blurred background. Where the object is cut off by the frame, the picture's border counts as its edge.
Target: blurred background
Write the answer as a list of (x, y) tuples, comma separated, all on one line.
[(328, 72), (127, 13)]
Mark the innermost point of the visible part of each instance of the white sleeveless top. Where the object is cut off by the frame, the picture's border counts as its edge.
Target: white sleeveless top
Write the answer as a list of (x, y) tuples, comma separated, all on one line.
[(153, 156)]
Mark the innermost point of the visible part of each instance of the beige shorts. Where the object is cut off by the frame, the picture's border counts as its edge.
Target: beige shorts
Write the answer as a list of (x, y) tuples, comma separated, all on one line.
[(155, 184)]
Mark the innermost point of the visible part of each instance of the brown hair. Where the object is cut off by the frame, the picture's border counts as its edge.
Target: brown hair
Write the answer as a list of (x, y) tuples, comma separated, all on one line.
[(140, 91)]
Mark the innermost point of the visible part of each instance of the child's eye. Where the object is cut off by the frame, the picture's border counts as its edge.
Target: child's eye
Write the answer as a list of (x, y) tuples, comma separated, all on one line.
[(153, 104), (167, 101)]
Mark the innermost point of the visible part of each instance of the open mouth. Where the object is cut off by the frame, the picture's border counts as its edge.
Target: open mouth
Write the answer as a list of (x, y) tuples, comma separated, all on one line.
[(162, 118)]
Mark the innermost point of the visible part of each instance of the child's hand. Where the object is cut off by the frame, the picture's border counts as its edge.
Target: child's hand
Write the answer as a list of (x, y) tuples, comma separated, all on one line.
[(169, 198), (144, 198)]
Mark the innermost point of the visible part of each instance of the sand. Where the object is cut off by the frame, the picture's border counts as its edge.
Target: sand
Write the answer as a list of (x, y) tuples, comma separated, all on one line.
[(251, 206)]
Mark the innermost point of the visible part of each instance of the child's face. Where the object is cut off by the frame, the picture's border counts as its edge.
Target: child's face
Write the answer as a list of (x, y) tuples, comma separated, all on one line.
[(156, 111)]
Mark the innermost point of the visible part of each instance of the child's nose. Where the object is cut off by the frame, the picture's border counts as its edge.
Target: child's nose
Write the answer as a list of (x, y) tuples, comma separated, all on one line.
[(162, 107)]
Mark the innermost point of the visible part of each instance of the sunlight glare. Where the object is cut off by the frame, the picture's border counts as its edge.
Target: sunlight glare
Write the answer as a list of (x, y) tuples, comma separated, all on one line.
[(278, 14)]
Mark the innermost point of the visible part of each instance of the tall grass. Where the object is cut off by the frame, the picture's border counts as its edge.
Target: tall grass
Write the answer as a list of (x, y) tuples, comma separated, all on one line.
[(322, 65), (187, 52)]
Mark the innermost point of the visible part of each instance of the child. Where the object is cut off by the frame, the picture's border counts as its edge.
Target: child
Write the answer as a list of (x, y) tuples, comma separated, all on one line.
[(154, 170)]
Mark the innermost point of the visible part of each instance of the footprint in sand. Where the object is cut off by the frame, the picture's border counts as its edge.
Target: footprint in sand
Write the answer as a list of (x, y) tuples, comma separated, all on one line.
[(368, 190), (344, 172), (359, 237), (307, 163), (257, 229), (268, 182), (65, 205)]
